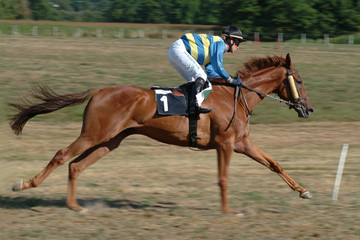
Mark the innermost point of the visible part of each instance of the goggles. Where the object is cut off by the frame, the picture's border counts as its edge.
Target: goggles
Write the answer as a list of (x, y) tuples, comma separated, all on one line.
[(236, 41)]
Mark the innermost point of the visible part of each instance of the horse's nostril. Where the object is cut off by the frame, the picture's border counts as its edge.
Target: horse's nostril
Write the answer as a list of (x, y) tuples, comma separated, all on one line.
[(311, 110)]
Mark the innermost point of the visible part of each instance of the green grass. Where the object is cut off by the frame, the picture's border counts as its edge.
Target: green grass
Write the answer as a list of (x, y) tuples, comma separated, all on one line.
[(149, 190), (345, 39), (75, 64)]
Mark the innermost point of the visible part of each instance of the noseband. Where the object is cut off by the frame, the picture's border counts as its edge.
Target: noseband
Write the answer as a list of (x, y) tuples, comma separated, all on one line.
[(293, 89)]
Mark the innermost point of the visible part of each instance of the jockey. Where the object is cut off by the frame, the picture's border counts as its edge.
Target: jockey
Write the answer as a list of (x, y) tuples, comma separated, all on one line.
[(192, 51)]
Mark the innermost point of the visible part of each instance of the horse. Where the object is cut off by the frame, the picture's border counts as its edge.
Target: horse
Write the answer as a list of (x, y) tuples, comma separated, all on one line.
[(114, 113)]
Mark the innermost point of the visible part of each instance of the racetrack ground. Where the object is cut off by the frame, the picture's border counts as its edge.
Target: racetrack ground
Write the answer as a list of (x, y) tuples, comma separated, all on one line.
[(148, 190)]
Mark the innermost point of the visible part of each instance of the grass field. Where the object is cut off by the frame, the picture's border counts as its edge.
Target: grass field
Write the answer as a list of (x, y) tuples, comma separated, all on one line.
[(69, 65), (148, 190)]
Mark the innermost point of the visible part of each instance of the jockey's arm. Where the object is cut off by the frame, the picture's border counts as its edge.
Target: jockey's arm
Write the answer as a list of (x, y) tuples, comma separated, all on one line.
[(210, 72), (215, 67)]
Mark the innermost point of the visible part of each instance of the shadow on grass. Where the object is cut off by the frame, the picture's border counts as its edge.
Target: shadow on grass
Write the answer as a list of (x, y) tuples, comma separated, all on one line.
[(30, 202)]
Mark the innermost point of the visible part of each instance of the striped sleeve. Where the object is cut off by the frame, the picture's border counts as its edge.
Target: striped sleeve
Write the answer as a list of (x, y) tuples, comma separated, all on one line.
[(217, 50)]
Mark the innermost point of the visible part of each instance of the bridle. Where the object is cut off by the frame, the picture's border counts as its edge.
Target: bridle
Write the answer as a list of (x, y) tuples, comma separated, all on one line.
[(293, 89)]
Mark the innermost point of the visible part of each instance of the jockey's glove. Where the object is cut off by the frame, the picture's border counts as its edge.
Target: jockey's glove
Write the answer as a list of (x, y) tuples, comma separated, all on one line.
[(236, 81)]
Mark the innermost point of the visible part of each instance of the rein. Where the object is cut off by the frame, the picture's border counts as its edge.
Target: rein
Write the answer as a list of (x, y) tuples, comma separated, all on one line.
[(261, 94), (291, 104)]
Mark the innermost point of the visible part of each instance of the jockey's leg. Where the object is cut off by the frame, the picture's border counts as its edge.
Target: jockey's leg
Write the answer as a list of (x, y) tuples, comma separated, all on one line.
[(189, 69), (194, 106), (184, 63)]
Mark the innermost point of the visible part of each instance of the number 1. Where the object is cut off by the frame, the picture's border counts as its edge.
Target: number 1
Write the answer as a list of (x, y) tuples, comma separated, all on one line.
[(165, 100)]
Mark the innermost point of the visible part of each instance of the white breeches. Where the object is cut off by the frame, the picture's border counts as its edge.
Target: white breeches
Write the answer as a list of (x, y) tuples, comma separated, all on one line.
[(184, 63), (187, 66)]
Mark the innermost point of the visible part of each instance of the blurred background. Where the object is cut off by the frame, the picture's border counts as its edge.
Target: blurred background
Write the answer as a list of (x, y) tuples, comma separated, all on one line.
[(149, 190), (128, 38), (313, 18), (267, 17)]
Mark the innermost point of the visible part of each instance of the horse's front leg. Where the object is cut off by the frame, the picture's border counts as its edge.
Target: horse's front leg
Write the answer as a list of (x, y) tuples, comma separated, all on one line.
[(248, 148)]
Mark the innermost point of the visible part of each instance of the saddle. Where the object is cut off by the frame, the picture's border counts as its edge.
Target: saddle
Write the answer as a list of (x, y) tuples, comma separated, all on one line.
[(174, 101)]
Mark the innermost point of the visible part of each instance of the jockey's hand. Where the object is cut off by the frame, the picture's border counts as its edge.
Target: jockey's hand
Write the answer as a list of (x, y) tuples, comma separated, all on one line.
[(236, 81)]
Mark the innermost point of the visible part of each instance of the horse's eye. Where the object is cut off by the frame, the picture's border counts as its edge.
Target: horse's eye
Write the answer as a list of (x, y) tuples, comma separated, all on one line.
[(298, 80)]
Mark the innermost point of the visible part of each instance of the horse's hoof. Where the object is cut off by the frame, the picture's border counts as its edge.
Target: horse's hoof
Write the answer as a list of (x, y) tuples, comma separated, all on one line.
[(240, 214), (235, 213), (18, 185), (306, 195), (76, 208)]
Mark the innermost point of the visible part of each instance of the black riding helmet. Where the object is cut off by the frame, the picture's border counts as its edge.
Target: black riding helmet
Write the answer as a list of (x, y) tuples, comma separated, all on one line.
[(232, 33)]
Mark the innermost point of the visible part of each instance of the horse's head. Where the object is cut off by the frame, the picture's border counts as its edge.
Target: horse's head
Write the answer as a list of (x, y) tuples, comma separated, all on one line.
[(292, 89)]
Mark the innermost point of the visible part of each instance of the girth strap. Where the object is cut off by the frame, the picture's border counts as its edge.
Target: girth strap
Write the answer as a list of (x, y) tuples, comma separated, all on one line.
[(193, 130)]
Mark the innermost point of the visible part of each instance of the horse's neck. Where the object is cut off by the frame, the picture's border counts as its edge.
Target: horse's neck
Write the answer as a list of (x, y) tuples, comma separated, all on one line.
[(265, 81)]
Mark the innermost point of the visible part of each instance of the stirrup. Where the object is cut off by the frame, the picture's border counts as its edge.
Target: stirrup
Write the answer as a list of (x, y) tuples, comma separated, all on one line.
[(198, 110), (202, 110)]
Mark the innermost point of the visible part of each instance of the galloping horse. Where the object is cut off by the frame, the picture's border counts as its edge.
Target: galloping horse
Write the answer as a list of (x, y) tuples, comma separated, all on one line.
[(113, 113)]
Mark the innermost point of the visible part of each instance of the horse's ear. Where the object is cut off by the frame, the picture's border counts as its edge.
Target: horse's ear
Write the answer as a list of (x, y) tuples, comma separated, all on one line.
[(288, 60)]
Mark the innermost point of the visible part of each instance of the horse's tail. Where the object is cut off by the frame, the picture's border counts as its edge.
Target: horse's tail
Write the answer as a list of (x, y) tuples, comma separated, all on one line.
[(51, 102)]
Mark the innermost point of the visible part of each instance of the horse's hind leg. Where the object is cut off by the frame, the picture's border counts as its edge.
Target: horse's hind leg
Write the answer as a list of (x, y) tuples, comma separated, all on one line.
[(63, 155), (86, 159)]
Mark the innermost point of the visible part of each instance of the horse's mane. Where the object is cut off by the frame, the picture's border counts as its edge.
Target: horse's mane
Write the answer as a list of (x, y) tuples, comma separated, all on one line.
[(257, 63), (253, 65)]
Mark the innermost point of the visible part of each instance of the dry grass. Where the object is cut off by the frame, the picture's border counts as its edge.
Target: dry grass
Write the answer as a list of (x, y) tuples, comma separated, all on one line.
[(148, 190), (76, 64)]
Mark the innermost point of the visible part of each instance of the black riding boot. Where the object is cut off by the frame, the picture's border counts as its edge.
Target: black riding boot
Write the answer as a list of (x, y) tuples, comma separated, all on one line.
[(194, 107)]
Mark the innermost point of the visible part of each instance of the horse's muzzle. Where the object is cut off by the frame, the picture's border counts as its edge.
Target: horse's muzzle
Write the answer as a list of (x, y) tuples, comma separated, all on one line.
[(304, 110)]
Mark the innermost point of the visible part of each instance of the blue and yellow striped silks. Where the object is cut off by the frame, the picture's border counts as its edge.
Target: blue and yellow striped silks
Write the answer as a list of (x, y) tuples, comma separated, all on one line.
[(198, 46)]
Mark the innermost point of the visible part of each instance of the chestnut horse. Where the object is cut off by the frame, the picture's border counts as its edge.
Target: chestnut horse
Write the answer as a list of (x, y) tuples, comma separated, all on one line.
[(113, 113)]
